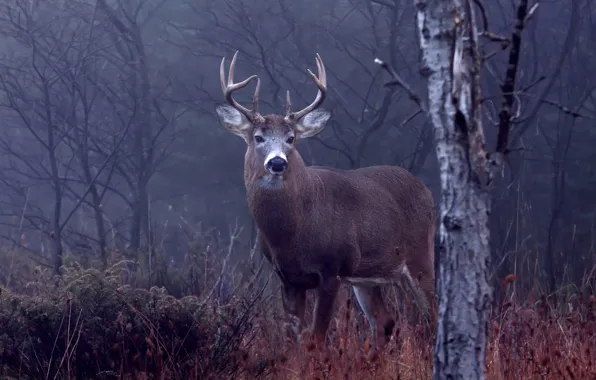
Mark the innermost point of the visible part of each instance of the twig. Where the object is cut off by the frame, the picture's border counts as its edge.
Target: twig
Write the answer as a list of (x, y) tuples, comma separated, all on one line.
[(410, 118), (233, 236), (485, 33), (528, 87), (531, 13), (496, 38), (69, 344), (397, 80), (482, 14), (386, 4), (55, 344), (255, 246), (566, 110), (567, 46), (495, 52)]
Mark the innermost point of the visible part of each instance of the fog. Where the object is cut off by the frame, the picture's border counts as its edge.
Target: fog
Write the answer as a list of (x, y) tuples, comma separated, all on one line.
[(110, 140)]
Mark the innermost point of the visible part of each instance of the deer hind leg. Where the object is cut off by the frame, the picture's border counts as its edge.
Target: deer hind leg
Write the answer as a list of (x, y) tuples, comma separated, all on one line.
[(422, 292), (294, 303), (427, 285), (372, 304)]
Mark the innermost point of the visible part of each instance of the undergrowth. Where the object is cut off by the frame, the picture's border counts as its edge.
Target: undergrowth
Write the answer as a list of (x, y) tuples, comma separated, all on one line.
[(89, 325)]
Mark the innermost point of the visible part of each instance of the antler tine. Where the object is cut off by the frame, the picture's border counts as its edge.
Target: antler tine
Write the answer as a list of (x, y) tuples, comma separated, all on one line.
[(288, 103), (323, 72), (321, 82), (222, 75), (229, 88), (255, 98)]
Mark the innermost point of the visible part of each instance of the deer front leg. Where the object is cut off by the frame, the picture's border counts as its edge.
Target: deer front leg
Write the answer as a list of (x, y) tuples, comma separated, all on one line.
[(325, 297), (294, 303)]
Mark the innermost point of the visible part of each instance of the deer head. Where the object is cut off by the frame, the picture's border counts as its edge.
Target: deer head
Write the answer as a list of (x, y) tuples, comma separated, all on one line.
[(271, 139)]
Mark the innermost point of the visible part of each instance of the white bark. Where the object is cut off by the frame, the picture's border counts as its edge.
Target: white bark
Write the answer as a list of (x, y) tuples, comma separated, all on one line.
[(448, 42)]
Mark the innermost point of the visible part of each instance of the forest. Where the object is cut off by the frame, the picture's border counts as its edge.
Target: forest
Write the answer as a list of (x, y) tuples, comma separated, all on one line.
[(127, 247)]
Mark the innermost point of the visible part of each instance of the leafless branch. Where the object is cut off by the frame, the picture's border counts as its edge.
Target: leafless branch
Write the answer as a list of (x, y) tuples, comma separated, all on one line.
[(383, 3), (411, 117), (567, 47), (234, 233), (566, 110), (505, 115), (398, 81)]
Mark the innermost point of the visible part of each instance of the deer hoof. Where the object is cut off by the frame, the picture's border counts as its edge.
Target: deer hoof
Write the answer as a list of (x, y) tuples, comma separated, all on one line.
[(372, 355), (310, 340)]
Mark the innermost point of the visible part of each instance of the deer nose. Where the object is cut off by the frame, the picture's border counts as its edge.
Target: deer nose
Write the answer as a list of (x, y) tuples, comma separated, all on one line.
[(277, 164)]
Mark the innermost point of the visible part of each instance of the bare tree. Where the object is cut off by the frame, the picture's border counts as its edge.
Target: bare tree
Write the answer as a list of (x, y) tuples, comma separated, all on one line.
[(61, 139), (149, 142)]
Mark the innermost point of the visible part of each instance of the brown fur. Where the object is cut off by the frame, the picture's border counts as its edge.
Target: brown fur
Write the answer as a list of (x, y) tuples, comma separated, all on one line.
[(321, 226), (324, 222)]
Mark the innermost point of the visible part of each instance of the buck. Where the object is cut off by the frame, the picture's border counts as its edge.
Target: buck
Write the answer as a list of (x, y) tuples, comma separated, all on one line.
[(321, 227)]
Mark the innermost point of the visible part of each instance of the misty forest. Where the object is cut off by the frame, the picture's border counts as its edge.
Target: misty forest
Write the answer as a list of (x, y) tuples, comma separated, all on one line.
[(128, 248)]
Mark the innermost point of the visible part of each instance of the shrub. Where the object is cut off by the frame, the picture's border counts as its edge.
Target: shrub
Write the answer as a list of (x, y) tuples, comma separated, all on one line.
[(90, 326)]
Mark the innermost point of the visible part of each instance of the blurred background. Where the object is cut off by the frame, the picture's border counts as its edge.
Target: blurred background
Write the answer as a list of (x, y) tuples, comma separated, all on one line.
[(110, 147)]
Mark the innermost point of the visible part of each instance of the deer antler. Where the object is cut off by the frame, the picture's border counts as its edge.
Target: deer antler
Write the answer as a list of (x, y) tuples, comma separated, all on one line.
[(321, 83), (229, 88)]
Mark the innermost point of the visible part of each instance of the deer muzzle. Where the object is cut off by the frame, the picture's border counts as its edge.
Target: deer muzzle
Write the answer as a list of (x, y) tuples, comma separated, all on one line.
[(276, 163)]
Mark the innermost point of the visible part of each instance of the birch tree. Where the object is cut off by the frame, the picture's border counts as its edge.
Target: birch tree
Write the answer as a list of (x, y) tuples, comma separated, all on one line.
[(451, 63)]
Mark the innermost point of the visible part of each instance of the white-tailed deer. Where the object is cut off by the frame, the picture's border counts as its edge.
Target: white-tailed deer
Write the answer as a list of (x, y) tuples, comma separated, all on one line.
[(320, 226)]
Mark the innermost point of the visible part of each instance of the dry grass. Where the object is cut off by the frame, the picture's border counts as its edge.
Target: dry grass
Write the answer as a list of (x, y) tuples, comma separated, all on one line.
[(344, 357), (93, 325), (524, 343)]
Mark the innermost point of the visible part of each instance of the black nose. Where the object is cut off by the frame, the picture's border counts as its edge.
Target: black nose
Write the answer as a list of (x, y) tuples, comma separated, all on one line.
[(277, 164)]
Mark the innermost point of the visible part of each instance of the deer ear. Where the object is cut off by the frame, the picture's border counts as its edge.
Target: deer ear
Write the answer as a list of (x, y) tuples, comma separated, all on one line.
[(234, 121), (312, 123)]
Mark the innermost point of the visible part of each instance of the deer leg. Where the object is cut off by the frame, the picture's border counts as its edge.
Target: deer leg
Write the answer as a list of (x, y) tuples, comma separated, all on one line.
[(422, 291), (428, 288), (381, 323), (325, 296), (294, 303), (364, 297)]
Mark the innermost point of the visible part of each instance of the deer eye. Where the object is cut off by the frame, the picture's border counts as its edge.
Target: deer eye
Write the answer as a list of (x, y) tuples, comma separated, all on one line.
[(290, 140), (259, 139)]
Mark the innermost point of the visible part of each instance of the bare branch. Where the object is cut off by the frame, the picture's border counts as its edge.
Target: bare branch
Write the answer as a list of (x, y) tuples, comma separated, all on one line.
[(505, 115), (397, 80), (566, 110), (383, 3)]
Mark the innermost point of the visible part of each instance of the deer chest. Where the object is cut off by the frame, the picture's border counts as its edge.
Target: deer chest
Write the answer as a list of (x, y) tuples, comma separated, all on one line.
[(294, 272), (304, 261)]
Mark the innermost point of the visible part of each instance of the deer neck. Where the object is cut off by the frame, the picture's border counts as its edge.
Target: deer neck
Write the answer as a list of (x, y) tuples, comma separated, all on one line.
[(279, 205)]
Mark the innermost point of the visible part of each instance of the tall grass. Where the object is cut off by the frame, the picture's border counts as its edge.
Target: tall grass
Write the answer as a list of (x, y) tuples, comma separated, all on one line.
[(217, 318)]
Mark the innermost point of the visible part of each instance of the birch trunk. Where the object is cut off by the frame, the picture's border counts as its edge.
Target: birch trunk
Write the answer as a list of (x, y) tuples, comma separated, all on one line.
[(448, 40)]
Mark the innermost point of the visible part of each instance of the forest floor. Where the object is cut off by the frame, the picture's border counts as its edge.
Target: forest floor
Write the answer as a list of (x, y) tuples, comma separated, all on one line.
[(90, 325)]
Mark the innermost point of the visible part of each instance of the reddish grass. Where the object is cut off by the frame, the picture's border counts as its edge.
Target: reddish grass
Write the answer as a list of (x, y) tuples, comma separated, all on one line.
[(533, 342), (523, 344)]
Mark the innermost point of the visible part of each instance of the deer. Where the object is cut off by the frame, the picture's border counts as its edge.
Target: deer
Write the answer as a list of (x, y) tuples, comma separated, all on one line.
[(322, 227)]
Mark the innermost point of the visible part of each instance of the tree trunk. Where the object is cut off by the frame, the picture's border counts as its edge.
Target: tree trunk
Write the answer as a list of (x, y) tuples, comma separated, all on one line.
[(56, 234), (448, 40), (96, 198), (99, 225)]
